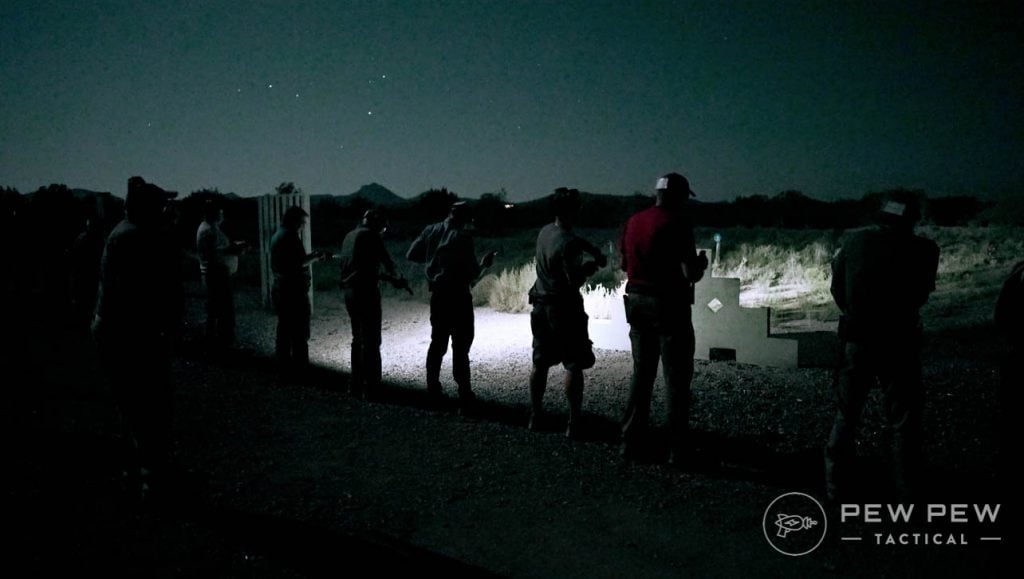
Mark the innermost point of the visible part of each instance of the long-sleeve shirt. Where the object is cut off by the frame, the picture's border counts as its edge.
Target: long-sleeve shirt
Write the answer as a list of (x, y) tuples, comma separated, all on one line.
[(448, 254), (363, 256)]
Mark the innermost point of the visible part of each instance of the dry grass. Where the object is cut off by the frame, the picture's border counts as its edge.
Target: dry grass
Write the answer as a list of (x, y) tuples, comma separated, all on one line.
[(509, 290)]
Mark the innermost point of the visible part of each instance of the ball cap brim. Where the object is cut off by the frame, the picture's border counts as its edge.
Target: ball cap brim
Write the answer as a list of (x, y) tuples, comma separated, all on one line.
[(139, 188), (674, 183)]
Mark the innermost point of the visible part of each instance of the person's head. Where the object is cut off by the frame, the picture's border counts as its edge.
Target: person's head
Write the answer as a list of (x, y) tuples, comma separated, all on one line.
[(459, 215), (145, 202), (294, 218), (673, 190), (900, 210), (375, 220), (566, 204), (212, 213)]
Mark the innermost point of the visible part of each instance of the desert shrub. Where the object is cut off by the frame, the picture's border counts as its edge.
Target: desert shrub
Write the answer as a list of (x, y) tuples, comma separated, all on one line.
[(483, 288), (774, 275), (598, 300), (607, 278), (510, 289), (963, 250)]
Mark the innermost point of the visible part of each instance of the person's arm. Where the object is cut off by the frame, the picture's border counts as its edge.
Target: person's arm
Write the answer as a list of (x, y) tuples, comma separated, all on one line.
[(931, 271), (838, 287), (578, 267), (384, 258), (206, 244), (1009, 312), (476, 270), (622, 247), (418, 250), (599, 258), (314, 257), (694, 265), (107, 287), (388, 265)]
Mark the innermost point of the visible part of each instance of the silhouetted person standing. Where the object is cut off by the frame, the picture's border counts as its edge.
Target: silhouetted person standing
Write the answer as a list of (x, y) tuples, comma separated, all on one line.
[(218, 263), (451, 267), (881, 276), (1009, 319), (137, 313), (290, 263), (558, 321), (364, 262), (661, 263), (86, 254)]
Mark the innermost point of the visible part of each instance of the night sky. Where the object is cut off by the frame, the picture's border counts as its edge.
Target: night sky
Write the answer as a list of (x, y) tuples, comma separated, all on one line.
[(829, 98)]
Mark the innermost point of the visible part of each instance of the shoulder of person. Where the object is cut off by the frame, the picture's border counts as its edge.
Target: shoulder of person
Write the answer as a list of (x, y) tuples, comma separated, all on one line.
[(858, 233), (355, 233), (1017, 273), (431, 229), (125, 230), (925, 245), (279, 235)]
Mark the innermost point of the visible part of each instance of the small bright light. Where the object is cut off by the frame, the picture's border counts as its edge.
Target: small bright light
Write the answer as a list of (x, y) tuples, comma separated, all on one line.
[(509, 205), (718, 237), (270, 86), (369, 112)]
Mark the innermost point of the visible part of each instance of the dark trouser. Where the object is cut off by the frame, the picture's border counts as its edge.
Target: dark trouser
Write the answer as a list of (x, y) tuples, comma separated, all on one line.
[(293, 312), (220, 307), (451, 317), (138, 366), (659, 328), (1012, 376), (363, 305), (896, 366)]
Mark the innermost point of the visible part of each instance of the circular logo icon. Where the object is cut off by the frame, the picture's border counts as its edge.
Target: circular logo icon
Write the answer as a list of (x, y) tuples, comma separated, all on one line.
[(794, 524)]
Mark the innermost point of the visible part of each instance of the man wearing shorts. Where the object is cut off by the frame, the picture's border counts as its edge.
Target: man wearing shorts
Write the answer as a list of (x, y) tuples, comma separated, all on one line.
[(558, 321)]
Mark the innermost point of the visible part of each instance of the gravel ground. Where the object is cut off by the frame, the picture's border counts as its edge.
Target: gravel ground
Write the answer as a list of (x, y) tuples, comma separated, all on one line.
[(293, 477)]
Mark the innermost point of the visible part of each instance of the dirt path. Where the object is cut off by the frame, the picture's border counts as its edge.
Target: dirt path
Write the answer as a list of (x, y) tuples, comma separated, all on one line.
[(293, 478)]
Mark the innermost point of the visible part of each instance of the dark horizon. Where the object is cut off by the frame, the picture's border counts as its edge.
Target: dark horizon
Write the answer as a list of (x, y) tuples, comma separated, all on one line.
[(992, 197)]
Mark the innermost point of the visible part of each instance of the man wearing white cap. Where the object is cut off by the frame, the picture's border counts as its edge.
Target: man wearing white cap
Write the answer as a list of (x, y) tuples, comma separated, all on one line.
[(881, 277), (660, 259)]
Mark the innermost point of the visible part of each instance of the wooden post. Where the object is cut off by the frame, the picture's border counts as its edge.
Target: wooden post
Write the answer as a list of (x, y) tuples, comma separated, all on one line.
[(271, 210)]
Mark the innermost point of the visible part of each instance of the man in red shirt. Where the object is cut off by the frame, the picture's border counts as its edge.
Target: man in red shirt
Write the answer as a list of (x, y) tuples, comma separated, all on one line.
[(661, 262)]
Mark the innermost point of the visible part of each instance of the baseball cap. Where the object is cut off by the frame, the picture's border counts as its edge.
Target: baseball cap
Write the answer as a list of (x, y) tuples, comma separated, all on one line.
[(674, 183), (139, 191)]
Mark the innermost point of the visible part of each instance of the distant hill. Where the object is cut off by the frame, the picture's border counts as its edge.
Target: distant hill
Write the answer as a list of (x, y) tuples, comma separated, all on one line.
[(378, 195), (372, 195), (86, 193)]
